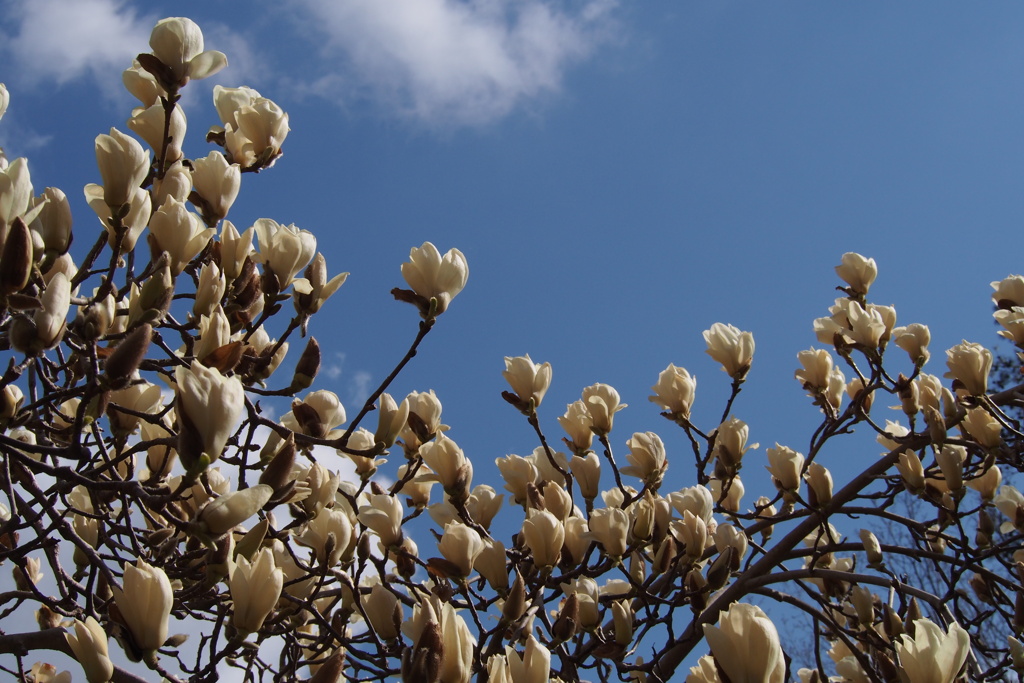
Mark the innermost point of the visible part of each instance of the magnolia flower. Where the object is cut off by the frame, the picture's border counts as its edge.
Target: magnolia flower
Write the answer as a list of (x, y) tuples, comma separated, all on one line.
[(692, 534), (209, 406), (142, 397), (89, 645), (518, 473), (932, 656), (675, 391), (821, 379), (145, 604), (384, 515), (529, 381), (746, 645), (492, 564), (383, 611), (578, 424), (969, 364), (728, 493), (52, 226), (217, 183), (858, 272), (731, 443), (910, 469), (435, 278), (255, 589), (5, 99), (646, 457), (45, 329), (704, 671), (730, 347), (391, 419), (819, 483), (258, 133), (461, 545), (123, 166), (786, 466), (254, 127), (450, 466), (914, 339), (226, 512), (1009, 292), (284, 249), (328, 534), (544, 535), (698, 500), (427, 409), (312, 291), (867, 326), (872, 548), (587, 470), (950, 459), (149, 124), (234, 249), (15, 193), (176, 182), (142, 84), (139, 209), (317, 414), (533, 667), (601, 402), (210, 290), (179, 232), (987, 482), (178, 43), (609, 527)]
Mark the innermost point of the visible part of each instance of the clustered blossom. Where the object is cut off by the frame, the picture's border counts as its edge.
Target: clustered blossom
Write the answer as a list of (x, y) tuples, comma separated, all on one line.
[(199, 502)]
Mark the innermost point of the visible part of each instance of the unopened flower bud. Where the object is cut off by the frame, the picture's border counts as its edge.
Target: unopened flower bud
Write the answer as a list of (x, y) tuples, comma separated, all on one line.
[(515, 602), (16, 260), (307, 367), (128, 355), (872, 548)]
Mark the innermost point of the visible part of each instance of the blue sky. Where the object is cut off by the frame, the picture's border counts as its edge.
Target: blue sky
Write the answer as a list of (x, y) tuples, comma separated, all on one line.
[(620, 175)]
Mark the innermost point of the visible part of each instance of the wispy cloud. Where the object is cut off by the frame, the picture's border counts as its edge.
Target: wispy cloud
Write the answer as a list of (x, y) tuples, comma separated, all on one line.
[(454, 62), (64, 40), (61, 41)]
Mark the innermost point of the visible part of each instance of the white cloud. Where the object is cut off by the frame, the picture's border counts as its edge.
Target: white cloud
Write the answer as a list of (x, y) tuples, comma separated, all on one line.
[(67, 40), (455, 61), (63, 40)]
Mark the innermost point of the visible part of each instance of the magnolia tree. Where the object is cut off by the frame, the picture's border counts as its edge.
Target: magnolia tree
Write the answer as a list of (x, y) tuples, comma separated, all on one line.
[(147, 498)]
